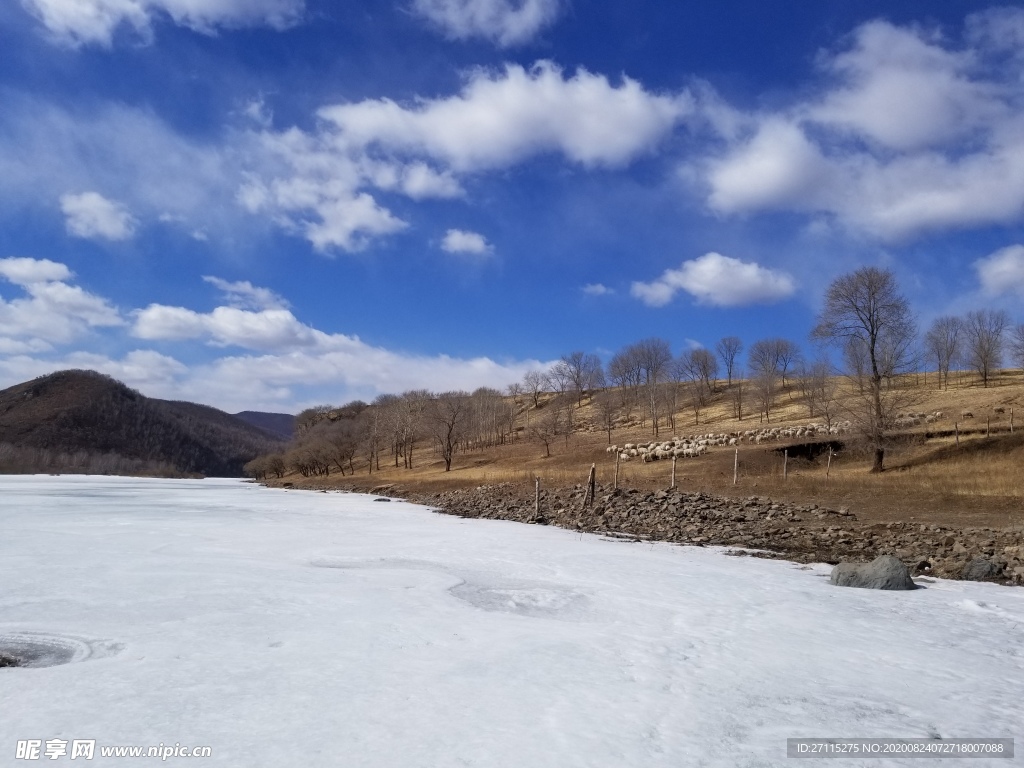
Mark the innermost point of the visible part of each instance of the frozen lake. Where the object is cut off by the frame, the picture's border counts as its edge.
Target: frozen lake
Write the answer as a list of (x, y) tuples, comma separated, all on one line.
[(285, 628)]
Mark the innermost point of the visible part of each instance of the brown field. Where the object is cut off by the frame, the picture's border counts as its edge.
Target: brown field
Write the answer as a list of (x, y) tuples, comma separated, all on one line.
[(928, 478)]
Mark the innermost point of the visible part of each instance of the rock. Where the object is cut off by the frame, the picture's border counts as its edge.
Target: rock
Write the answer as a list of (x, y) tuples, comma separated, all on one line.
[(980, 569), (885, 572)]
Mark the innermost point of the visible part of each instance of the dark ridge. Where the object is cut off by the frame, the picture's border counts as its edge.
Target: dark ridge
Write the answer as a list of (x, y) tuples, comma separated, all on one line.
[(85, 421), (281, 425)]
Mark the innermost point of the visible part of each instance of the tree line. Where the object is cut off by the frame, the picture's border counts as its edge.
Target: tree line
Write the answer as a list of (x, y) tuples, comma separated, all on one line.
[(865, 322)]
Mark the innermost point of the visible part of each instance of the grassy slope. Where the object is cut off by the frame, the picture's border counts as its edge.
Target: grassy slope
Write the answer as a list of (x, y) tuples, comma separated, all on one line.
[(929, 479)]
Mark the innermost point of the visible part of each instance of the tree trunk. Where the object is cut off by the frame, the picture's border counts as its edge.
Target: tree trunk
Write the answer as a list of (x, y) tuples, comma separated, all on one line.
[(879, 457)]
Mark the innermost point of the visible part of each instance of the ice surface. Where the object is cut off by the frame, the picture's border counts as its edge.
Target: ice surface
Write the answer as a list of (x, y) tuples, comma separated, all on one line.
[(287, 628)]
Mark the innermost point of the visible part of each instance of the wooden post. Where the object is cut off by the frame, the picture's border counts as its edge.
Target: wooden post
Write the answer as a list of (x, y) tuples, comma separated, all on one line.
[(956, 427), (536, 500), (591, 482), (828, 467), (615, 484), (736, 466), (1011, 421), (988, 426), (673, 484), (785, 464)]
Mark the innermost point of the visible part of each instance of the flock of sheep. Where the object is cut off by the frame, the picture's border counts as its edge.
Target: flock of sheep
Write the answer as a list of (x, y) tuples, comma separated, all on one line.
[(697, 445)]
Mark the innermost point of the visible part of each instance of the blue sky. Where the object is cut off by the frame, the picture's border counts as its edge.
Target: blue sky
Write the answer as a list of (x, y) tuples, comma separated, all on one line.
[(265, 204)]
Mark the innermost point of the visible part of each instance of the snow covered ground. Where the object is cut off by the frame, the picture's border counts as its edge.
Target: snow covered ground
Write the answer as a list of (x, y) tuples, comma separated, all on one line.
[(287, 628)]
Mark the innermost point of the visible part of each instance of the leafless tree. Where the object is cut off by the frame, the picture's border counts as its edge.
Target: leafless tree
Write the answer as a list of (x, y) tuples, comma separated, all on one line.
[(867, 307), (607, 409), (584, 372), (788, 355), (984, 331), (728, 350), (625, 372), (943, 342), (534, 383), (820, 389), (763, 360), (447, 416), (310, 417), (1017, 346), (547, 427), (654, 356), (700, 369)]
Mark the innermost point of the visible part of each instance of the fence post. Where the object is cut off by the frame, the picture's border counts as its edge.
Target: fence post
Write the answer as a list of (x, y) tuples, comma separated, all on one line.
[(956, 427), (735, 466), (1011, 421), (828, 467), (785, 464), (988, 426), (615, 484), (673, 485), (536, 500), (591, 482)]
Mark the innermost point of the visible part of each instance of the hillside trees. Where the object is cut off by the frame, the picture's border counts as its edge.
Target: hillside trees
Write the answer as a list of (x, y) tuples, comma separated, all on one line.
[(865, 311), (984, 332), (446, 418), (943, 342), (728, 350)]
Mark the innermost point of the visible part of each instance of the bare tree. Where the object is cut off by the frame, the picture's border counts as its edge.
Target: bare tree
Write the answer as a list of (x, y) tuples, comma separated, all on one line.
[(547, 427), (1017, 346), (700, 368), (310, 417), (625, 372), (983, 332), (943, 342), (584, 372), (728, 350), (867, 307), (535, 382), (763, 362), (788, 354), (607, 408), (447, 417), (654, 356), (820, 390)]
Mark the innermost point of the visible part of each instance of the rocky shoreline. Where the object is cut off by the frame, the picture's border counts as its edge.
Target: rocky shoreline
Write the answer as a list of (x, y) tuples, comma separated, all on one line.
[(801, 533)]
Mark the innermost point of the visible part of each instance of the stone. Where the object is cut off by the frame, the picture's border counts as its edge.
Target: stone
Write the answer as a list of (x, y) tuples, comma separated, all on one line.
[(980, 569), (885, 572)]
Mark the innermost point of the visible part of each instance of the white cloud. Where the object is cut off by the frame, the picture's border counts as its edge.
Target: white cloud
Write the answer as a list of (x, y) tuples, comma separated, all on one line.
[(283, 363), (26, 271), (245, 295), (1002, 272), (92, 216), (321, 184), (596, 289), (461, 241), (77, 22), (267, 329), (505, 22), (51, 311), (717, 280), (501, 118), (909, 134)]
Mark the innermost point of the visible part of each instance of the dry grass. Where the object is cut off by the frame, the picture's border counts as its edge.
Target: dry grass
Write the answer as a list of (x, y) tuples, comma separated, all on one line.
[(929, 479)]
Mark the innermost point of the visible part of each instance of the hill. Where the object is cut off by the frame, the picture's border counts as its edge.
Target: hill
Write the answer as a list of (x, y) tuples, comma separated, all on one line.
[(278, 424), (82, 421)]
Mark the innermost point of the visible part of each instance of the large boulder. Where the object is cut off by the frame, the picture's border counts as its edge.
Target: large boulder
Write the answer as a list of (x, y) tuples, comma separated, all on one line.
[(885, 572), (980, 569)]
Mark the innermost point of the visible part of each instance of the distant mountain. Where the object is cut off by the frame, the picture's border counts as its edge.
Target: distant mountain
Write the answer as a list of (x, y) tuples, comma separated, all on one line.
[(74, 421), (278, 424)]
